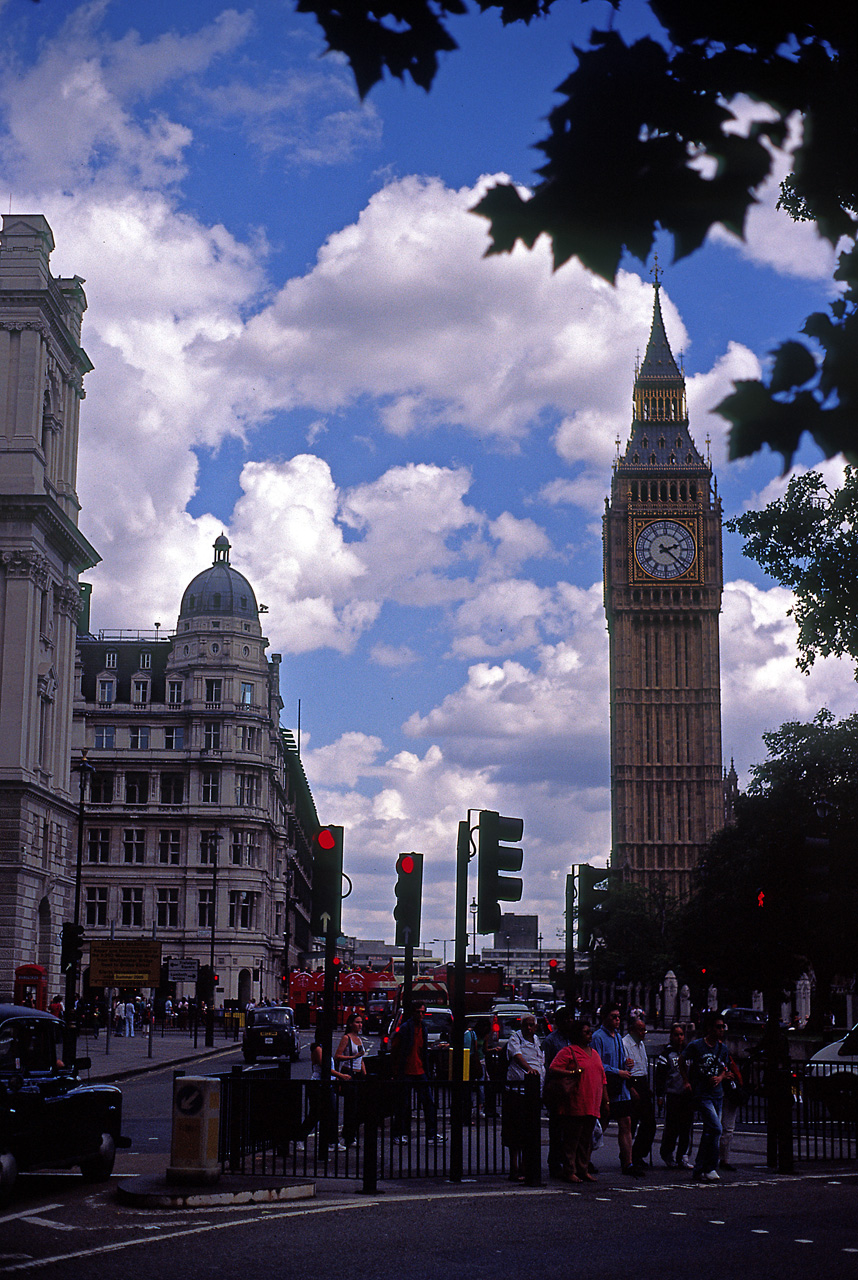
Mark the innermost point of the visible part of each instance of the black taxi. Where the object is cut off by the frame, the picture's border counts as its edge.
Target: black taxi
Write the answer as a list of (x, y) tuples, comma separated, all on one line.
[(50, 1118)]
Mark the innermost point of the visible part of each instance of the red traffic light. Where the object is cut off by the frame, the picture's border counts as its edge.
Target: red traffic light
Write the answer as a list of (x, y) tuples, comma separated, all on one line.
[(406, 864), (337, 960), (552, 964), (325, 839)]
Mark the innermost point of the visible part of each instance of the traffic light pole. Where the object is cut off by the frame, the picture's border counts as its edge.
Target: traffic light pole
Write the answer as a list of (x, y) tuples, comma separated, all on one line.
[(457, 1100), (329, 1015), (408, 979), (571, 993)]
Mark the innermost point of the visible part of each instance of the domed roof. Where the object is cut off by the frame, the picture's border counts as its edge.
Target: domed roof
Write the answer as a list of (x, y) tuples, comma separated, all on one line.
[(220, 591)]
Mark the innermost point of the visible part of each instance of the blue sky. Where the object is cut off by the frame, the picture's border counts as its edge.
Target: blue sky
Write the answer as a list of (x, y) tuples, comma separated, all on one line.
[(297, 339)]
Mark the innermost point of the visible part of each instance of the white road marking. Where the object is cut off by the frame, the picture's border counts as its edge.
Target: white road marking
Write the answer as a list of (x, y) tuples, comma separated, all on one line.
[(47, 1222), (202, 1229), (27, 1213), (759, 1231)]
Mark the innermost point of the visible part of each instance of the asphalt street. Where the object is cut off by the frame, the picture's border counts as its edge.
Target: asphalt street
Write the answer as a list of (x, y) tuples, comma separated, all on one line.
[(754, 1222)]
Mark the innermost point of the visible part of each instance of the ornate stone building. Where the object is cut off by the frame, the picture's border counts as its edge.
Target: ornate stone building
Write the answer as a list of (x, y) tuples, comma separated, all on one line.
[(42, 551), (663, 581), (198, 809)]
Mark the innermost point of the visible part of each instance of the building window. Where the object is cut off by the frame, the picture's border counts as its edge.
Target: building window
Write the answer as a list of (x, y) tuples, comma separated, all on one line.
[(205, 908), (211, 787), (236, 848), (209, 841), (140, 693), (105, 738), (136, 788), (145, 662), (242, 909), (132, 908), (139, 738), (172, 788), (101, 788), (214, 694), (278, 919), (98, 844), (168, 908), (110, 661), (96, 905), (106, 689), (247, 738), (247, 789), (246, 693), (175, 690), (174, 739), (134, 844), (211, 735), (168, 847)]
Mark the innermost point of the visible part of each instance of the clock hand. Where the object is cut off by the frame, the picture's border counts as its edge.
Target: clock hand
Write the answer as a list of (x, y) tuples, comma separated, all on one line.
[(669, 550)]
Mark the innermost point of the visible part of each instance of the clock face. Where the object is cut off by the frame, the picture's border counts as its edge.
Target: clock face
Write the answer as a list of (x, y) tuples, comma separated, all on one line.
[(665, 549)]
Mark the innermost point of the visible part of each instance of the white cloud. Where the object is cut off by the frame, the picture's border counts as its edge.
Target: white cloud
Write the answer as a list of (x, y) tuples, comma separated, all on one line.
[(772, 238), (762, 687)]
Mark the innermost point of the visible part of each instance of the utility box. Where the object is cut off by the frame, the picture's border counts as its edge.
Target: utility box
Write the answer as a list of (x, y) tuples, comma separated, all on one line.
[(196, 1128)]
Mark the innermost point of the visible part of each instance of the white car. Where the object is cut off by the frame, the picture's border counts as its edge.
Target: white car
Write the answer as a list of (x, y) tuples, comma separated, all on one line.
[(832, 1077)]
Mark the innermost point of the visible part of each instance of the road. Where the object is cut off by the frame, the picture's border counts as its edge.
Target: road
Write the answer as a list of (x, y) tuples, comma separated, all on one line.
[(785, 1227), (753, 1222)]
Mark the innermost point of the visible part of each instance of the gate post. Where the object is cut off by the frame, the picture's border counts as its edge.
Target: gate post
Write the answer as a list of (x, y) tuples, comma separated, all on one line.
[(372, 1098), (533, 1132)]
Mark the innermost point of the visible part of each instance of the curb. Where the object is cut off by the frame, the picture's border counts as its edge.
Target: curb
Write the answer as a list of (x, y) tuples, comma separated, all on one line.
[(127, 1073), (157, 1193)]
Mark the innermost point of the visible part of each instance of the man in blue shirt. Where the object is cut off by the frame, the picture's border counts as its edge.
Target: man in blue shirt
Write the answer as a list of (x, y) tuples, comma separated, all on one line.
[(608, 1043), (706, 1064)]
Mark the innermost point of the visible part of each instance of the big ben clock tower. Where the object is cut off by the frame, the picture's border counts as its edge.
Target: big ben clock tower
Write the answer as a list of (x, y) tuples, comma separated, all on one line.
[(663, 581)]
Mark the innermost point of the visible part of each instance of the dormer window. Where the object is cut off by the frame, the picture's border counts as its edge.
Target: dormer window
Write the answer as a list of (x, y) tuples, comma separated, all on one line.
[(110, 659), (145, 661)]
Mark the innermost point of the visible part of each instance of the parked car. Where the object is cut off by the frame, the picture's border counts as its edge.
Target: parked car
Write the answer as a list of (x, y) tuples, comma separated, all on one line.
[(378, 1015), (49, 1118), (438, 1021), (270, 1032), (832, 1077), (740, 1021)]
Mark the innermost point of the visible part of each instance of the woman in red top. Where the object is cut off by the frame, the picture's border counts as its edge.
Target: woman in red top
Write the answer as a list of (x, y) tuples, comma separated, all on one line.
[(583, 1091)]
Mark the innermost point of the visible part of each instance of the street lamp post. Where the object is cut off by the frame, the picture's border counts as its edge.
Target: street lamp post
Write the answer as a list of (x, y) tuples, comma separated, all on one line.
[(214, 841), (70, 1041), (539, 944), (473, 909), (508, 974)]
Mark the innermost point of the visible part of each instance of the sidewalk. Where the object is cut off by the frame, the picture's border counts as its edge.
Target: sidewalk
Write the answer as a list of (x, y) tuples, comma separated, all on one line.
[(129, 1055)]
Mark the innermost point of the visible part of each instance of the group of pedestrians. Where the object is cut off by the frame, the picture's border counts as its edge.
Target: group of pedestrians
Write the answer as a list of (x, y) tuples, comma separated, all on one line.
[(601, 1077), (587, 1078)]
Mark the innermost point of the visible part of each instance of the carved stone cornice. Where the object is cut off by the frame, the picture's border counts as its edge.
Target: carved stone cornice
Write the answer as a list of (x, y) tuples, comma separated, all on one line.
[(18, 563), (67, 600)]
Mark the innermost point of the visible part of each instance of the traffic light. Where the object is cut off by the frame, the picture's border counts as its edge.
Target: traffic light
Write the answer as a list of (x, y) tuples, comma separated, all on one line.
[(71, 951), (493, 887), (594, 902), (409, 899), (327, 910), (553, 968), (586, 902)]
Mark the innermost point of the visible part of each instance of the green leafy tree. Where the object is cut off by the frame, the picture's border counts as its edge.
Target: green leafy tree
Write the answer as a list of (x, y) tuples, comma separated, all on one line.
[(777, 891), (636, 936), (808, 541), (642, 140)]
